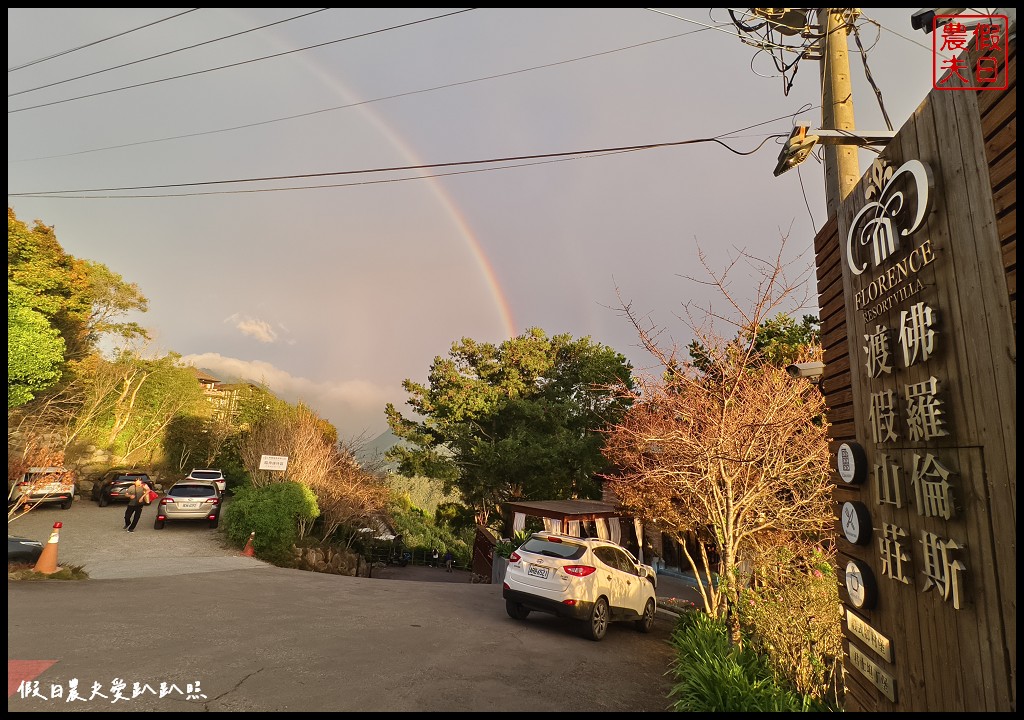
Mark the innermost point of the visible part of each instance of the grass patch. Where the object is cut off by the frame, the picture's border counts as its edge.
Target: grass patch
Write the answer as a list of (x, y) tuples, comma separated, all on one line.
[(21, 571)]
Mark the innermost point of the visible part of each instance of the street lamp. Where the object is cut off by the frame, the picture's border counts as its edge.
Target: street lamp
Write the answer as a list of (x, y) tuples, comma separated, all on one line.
[(801, 142)]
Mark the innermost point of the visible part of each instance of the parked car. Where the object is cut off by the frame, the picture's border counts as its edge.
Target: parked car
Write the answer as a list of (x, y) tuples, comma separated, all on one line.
[(44, 485), (189, 500), (210, 474), (587, 579), (23, 550), (112, 487)]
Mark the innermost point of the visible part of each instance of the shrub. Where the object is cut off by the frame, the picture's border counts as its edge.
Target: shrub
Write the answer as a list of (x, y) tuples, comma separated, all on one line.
[(793, 618), (714, 675), (273, 512), (421, 534)]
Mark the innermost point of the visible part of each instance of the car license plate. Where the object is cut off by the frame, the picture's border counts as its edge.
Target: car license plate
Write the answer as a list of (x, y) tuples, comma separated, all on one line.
[(538, 572), (189, 506)]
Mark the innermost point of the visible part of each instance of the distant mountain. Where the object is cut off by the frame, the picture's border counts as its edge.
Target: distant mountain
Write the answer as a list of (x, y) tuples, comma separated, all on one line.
[(374, 450)]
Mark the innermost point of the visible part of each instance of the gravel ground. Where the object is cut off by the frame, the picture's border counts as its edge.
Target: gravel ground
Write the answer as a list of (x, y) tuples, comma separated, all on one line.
[(94, 538)]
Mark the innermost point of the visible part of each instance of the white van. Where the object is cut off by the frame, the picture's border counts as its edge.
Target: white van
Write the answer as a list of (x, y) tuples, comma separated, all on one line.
[(45, 485)]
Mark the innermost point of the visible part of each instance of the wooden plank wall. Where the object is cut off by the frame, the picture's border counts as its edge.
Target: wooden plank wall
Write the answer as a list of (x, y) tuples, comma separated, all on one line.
[(999, 128), (969, 664)]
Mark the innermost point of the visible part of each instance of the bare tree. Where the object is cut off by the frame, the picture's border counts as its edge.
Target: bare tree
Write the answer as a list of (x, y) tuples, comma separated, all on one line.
[(726, 447), (350, 497), (347, 494)]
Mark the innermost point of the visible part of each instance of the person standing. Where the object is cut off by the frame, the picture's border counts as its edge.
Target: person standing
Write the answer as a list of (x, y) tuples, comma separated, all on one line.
[(433, 557), (448, 560), (138, 496)]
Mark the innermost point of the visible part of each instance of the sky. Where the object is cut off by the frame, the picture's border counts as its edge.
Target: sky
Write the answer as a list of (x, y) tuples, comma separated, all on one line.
[(333, 296)]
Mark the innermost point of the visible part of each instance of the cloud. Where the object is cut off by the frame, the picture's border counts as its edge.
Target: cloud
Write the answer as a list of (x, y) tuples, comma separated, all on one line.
[(354, 407), (259, 329)]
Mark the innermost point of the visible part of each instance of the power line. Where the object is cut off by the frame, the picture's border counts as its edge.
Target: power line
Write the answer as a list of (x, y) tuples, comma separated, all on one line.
[(883, 27), (363, 102), (244, 62), (578, 153), (715, 27), (96, 42), (395, 168), (871, 80), (171, 52), (387, 180)]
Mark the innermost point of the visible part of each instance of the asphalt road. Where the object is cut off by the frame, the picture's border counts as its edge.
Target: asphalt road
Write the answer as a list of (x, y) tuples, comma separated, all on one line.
[(207, 630)]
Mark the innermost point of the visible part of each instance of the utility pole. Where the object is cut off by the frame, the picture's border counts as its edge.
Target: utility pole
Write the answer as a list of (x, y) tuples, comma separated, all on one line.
[(842, 169)]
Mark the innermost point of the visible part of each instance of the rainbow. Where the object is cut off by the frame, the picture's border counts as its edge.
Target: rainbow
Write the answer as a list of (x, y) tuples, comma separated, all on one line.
[(451, 209)]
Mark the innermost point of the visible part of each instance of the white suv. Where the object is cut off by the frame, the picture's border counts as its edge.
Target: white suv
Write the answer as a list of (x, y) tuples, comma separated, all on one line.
[(586, 579), (216, 476)]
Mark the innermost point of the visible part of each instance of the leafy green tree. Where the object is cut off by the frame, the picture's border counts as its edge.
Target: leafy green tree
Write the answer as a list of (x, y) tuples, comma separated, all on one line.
[(779, 340), (110, 297), (520, 420), (35, 351), (54, 283), (79, 300), (151, 394)]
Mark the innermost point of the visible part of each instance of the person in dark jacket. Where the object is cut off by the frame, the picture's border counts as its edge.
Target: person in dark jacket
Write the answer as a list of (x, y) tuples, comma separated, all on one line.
[(138, 497)]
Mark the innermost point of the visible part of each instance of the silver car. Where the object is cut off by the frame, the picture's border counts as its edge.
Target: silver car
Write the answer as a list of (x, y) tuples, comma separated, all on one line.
[(189, 500), (210, 474)]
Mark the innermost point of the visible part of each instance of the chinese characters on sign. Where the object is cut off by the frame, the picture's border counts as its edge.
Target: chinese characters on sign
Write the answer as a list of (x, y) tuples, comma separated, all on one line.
[(117, 691), (899, 409), (953, 36)]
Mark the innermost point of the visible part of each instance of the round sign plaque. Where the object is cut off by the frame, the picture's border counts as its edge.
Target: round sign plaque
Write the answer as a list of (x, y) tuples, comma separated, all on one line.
[(860, 584), (856, 520), (851, 463)]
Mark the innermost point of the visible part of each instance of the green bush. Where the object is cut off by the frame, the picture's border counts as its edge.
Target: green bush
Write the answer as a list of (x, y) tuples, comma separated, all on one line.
[(273, 513), (713, 675), (421, 534)]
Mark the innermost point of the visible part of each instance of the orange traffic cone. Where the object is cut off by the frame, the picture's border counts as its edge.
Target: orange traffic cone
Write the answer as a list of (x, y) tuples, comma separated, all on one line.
[(249, 551), (47, 562)]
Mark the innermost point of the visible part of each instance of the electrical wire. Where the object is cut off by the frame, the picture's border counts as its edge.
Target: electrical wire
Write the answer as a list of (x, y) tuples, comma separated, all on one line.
[(711, 27), (244, 62), (361, 102), (807, 204), (373, 182), (883, 27), (871, 80), (95, 42), (336, 173), (153, 57)]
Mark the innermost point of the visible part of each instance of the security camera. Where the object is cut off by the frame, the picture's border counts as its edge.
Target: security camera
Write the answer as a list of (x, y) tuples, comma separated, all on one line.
[(806, 369), (922, 19)]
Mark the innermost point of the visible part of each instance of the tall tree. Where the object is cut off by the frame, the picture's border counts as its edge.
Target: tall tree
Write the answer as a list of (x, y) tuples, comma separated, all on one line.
[(78, 300), (35, 351), (727, 446), (54, 283), (520, 420)]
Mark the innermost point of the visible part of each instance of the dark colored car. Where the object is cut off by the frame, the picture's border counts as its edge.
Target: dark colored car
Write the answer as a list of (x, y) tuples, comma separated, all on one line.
[(113, 486), (190, 500), (23, 550)]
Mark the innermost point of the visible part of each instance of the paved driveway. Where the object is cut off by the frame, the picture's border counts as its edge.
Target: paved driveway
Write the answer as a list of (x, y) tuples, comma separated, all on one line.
[(252, 637), (94, 538)]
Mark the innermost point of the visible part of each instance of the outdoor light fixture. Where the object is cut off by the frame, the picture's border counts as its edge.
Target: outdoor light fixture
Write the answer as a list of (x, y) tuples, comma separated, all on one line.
[(801, 143)]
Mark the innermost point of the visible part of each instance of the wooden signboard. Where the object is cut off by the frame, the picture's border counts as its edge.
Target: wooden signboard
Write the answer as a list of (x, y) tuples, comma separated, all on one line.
[(918, 312)]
